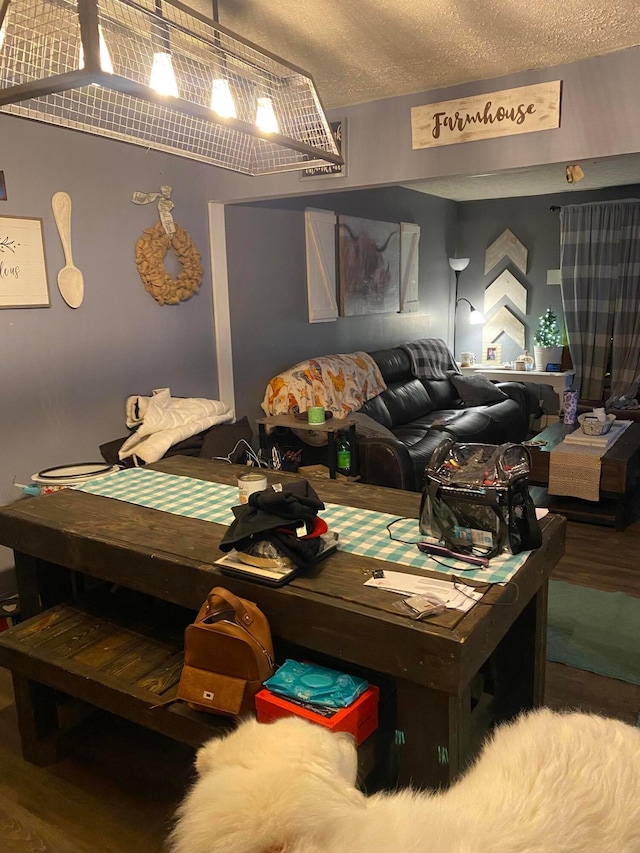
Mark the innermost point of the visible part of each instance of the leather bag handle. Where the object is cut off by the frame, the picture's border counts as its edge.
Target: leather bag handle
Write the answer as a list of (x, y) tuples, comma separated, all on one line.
[(240, 610)]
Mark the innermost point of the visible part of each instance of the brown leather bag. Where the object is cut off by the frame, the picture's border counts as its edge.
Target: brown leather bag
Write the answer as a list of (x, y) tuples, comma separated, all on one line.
[(228, 654)]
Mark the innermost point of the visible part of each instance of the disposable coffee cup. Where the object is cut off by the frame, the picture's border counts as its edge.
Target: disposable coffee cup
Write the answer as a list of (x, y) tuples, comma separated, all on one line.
[(315, 415)]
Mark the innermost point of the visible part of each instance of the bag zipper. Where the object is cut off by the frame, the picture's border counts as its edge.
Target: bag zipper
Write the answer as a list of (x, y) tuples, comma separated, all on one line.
[(255, 640)]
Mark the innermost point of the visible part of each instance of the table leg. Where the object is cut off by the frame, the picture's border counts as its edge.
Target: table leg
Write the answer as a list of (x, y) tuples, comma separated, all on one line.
[(262, 440), (37, 720), (621, 518), (353, 441), (518, 663), (431, 735), (40, 584), (331, 450)]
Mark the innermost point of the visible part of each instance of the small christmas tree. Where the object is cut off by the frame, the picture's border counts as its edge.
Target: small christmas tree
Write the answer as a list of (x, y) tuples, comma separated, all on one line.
[(548, 334)]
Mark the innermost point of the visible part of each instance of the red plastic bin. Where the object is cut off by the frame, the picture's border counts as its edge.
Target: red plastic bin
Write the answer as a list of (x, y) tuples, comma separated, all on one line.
[(360, 718)]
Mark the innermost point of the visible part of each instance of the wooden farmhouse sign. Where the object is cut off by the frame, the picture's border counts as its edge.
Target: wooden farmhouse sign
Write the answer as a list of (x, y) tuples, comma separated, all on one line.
[(505, 113)]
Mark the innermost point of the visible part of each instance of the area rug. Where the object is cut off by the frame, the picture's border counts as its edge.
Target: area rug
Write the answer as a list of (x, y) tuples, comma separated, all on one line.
[(594, 631)]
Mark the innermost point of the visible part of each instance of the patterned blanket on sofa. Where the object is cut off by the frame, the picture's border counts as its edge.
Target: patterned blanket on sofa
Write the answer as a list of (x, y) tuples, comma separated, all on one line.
[(339, 383)]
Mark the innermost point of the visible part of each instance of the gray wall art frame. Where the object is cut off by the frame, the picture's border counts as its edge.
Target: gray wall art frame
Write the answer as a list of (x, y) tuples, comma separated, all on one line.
[(23, 271), (368, 265)]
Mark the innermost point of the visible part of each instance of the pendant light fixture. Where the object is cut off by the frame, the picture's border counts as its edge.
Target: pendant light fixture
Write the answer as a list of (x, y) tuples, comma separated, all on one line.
[(167, 78), (222, 101), (163, 79), (265, 117)]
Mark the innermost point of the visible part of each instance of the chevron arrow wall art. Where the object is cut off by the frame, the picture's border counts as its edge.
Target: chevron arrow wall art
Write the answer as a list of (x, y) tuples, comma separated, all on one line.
[(503, 322), (507, 245), (506, 285)]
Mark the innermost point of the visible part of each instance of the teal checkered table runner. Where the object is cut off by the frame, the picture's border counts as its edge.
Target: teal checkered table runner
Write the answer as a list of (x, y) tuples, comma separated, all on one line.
[(361, 531)]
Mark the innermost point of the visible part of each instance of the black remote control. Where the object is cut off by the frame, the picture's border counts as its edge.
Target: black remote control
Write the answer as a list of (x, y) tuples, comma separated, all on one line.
[(441, 551)]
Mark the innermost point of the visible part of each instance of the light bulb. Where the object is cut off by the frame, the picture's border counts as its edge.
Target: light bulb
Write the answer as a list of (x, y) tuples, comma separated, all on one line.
[(105, 57), (221, 99), (265, 117), (3, 32), (163, 79), (475, 318)]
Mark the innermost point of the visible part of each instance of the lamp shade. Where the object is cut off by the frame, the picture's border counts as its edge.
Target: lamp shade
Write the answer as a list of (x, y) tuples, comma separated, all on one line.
[(42, 78), (458, 264)]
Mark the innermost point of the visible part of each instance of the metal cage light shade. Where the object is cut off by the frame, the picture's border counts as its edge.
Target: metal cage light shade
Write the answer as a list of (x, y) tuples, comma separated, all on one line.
[(87, 64)]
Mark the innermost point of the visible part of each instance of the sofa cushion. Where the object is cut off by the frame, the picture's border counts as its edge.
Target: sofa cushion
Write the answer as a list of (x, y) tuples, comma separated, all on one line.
[(377, 409), (394, 364), (227, 441), (369, 427), (442, 393), (477, 390), (406, 401)]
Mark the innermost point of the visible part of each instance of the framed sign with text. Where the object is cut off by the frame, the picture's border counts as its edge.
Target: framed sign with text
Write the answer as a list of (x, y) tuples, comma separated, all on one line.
[(506, 113), (23, 273), (338, 128)]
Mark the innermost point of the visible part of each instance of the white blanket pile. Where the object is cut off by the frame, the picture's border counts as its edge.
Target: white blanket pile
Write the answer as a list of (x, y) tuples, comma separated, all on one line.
[(163, 421)]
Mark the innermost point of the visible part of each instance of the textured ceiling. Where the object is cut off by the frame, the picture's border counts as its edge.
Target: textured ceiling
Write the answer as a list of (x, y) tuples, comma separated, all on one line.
[(538, 180), (364, 50)]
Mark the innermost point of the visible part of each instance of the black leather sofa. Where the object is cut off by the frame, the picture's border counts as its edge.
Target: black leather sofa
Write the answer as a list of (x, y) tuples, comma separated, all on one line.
[(417, 414)]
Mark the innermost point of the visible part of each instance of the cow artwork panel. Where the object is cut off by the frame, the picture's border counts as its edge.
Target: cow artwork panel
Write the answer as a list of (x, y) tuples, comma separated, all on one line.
[(369, 279)]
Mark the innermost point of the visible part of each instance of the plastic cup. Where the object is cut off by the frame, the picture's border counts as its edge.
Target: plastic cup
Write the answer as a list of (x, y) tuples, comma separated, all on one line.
[(315, 415)]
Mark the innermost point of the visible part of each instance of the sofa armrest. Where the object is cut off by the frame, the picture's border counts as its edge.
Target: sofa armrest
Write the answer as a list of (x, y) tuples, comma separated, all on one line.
[(521, 394), (516, 391), (385, 462)]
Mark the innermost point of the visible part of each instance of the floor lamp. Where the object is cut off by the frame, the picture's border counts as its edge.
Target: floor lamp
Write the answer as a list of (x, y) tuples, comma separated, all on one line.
[(475, 317)]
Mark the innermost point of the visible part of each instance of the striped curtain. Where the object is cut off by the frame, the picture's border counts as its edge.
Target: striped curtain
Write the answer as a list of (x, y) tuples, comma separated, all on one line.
[(600, 269)]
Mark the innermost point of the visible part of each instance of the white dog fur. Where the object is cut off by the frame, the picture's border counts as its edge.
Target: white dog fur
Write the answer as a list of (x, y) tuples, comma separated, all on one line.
[(546, 783)]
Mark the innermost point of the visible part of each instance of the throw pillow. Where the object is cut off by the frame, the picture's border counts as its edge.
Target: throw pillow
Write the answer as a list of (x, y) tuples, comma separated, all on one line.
[(221, 441), (477, 390)]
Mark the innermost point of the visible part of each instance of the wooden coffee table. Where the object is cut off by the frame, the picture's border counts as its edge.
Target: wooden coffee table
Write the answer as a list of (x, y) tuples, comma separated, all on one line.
[(618, 477)]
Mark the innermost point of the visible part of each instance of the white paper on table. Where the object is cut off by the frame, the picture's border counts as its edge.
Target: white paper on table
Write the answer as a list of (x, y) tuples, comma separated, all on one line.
[(458, 597)]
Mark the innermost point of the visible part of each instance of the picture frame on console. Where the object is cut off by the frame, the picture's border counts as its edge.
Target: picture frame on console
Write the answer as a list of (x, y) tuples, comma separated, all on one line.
[(492, 354)]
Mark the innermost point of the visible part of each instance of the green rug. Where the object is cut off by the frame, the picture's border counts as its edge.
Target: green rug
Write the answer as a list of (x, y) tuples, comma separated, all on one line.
[(593, 630)]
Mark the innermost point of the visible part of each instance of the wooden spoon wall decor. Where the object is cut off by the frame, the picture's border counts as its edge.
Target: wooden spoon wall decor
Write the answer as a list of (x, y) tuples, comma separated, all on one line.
[(70, 280)]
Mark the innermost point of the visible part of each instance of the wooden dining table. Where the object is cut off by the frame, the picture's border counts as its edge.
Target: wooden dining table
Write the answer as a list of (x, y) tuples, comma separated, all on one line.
[(443, 682)]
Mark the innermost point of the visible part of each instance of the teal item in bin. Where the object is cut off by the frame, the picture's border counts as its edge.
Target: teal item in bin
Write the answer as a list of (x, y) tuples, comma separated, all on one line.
[(317, 685)]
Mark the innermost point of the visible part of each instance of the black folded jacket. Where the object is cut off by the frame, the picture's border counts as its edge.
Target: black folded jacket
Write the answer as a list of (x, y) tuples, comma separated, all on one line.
[(295, 506)]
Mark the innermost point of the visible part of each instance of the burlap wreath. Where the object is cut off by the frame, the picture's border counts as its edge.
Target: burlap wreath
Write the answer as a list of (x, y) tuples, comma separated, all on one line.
[(151, 249)]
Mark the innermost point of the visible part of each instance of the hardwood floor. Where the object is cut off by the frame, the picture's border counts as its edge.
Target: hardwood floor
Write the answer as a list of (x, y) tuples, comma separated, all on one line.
[(118, 786), (606, 559), (114, 792)]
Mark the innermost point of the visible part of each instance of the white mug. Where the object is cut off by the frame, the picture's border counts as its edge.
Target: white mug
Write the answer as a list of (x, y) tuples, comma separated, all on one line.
[(467, 359)]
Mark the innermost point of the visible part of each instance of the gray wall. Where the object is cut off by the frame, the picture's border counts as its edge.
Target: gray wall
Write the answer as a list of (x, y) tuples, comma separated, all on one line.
[(268, 295), (65, 374), (538, 228)]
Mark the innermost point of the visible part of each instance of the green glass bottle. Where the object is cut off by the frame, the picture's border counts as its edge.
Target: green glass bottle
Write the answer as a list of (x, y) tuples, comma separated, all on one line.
[(343, 455)]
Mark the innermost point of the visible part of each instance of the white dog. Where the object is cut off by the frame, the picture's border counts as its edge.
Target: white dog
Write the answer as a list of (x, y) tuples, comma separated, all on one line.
[(546, 783)]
